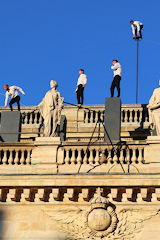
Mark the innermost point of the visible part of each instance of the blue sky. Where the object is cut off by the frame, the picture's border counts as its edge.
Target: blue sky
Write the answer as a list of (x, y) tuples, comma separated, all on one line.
[(42, 40)]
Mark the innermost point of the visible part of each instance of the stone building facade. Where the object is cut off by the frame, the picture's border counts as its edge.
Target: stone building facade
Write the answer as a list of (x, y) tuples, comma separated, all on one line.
[(81, 188)]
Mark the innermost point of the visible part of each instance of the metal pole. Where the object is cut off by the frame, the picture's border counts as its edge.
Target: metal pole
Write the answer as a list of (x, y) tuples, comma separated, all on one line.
[(137, 72)]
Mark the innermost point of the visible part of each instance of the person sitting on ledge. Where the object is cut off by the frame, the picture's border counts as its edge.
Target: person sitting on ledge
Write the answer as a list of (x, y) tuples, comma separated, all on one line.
[(13, 93)]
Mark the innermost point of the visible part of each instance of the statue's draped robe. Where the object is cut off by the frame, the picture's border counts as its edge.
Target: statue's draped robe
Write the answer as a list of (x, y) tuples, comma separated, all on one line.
[(154, 110), (51, 104)]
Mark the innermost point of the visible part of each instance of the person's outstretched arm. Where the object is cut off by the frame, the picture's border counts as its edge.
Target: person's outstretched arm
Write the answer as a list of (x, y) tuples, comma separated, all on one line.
[(133, 30), (6, 99), (20, 89)]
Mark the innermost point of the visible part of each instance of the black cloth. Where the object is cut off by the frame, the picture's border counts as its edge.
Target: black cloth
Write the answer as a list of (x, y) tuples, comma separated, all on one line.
[(140, 33), (15, 100), (80, 94), (115, 83)]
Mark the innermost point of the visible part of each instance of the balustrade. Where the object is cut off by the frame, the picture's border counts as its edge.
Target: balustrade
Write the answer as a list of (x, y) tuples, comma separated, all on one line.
[(129, 114), (15, 156), (114, 154)]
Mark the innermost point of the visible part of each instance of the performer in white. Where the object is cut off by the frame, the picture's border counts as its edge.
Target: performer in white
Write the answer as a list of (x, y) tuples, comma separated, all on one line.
[(81, 83), (51, 105), (154, 110), (12, 91), (136, 26)]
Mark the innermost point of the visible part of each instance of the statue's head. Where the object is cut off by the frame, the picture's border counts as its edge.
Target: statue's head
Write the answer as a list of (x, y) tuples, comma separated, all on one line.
[(53, 84)]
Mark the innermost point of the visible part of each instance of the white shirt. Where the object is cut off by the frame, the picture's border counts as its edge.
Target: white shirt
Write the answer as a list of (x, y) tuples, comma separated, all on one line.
[(136, 24), (12, 92), (117, 69), (82, 79)]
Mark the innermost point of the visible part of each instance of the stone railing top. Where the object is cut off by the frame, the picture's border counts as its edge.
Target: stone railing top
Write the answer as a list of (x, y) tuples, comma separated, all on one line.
[(24, 108)]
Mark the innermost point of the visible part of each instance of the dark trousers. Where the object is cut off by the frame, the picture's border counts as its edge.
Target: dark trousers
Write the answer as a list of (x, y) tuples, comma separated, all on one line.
[(140, 33), (115, 83), (80, 94), (15, 100)]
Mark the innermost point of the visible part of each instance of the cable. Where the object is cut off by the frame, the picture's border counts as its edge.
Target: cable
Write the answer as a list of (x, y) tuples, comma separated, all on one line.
[(100, 122)]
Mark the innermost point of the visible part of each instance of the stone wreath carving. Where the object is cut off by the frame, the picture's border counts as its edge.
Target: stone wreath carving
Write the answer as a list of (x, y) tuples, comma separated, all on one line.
[(100, 221)]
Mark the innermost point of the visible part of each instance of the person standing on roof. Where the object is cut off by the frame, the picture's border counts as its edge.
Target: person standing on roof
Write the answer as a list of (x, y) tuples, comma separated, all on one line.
[(117, 69), (136, 26), (13, 93), (81, 83)]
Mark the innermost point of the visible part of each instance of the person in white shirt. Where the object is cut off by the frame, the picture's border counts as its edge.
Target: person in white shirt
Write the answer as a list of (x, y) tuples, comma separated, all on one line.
[(136, 29), (82, 80), (116, 67), (13, 93)]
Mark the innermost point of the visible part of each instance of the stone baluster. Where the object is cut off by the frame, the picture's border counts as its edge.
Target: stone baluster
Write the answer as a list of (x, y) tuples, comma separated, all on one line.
[(73, 159), (87, 117), (134, 158), (97, 157), (28, 159), (121, 157), (130, 116), (85, 160), (126, 116), (127, 159), (10, 159), (4, 160), (35, 117), (25, 195), (69, 195), (140, 114), (11, 195), (39, 196), (67, 159), (140, 157), (79, 158), (136, 115), (91, 116), (40, 119), (53, 196), (109, 158), (115, 157), (122, 116), (16, 160), (91, 158), (22, 159), (84, 195), (30, 118), (25, 118), (96, 116)]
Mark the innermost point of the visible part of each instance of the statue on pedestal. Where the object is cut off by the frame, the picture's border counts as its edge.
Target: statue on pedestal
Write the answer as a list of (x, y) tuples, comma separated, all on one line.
[(51, 106), (154, 110)]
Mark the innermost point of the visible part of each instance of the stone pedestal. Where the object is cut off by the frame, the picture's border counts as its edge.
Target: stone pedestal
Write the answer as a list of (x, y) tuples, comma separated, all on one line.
[(152, 151), (46, 153)]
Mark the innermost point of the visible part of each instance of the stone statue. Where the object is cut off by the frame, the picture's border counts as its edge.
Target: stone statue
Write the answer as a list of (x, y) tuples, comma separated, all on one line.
[(154, 110), (51, 105)]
